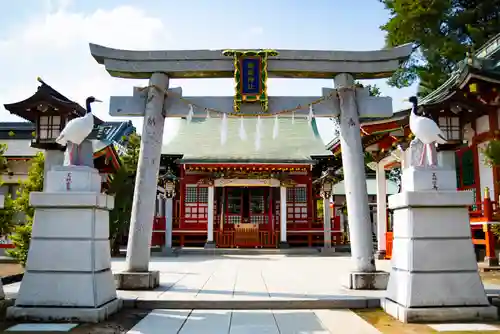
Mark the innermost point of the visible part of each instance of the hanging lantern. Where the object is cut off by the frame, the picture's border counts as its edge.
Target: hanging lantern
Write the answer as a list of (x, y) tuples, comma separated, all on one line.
[(326, 188), (169, 180)]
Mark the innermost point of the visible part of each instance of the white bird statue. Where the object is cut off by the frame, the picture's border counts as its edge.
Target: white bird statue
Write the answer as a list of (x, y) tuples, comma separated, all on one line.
[(427, 131), (78, 129)]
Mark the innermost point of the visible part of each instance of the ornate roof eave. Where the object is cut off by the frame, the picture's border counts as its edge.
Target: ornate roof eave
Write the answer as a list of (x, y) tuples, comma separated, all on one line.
[(21, 108), (47, 94), (458, 80), (400, 117), (207, 161), (447, 88), (490, 48)]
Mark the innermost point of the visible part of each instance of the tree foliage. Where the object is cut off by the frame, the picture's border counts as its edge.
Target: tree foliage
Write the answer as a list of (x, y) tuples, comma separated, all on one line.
[(395, 176), (3, 159), (122, 187), (442, 32), (373, 89), (7, 212), (22, 231)]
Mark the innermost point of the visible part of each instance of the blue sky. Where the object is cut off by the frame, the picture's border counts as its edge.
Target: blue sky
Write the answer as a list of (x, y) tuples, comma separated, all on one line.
[(50, 39)]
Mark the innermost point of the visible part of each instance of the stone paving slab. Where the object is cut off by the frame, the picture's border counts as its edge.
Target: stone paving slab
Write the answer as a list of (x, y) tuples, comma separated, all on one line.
[(253, 277), (31, 327), (261, 280), (463, 327), (253, 322)]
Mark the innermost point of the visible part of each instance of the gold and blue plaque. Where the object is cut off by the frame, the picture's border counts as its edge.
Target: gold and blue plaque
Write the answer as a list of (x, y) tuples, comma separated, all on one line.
[(250, 75)]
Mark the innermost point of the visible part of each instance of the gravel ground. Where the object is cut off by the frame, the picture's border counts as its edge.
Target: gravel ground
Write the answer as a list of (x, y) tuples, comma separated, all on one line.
[(119, 323), (7, 269), (491, 277)]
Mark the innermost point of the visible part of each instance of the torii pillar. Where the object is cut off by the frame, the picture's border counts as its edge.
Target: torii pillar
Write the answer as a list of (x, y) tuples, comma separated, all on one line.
[(364, 274), (137, 275)]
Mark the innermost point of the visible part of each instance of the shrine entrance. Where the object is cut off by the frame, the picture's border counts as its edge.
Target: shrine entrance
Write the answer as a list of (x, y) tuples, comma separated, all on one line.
[(247, 215), (347, 103)]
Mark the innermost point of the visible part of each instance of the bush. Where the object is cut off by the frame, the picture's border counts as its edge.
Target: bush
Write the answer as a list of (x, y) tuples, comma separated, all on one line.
[(491, 153), (21, 239), (22, 232)]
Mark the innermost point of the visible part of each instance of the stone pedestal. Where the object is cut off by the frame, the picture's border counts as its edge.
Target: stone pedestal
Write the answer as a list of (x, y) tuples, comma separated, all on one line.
[(380, 254), (284, 245), (368, 281), (210, 244), (434, 273), (147, 280), (491, 261), (52, 158), (68, 272)]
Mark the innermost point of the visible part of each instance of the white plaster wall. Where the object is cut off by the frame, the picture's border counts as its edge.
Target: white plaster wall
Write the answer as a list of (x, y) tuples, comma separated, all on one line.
[(482, 124), (485, 172), (19, 148), (19, 168)]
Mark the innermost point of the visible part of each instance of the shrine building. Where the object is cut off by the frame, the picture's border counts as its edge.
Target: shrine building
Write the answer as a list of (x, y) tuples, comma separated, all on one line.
[(467, 109), (246, 185)]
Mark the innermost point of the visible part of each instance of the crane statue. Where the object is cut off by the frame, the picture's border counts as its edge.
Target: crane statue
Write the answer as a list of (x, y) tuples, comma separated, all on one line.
[(79, 150), (427, 132)]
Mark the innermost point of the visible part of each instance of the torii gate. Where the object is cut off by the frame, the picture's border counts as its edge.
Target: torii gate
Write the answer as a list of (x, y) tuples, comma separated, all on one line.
[(348, 103)]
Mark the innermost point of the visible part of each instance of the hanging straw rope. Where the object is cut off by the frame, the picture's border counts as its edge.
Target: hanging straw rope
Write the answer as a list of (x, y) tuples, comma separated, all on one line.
[(284, 111)]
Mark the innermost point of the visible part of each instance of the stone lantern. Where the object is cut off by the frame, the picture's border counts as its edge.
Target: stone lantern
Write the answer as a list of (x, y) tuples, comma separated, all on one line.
[(450, 125), (326, 188), (169, 182), (326, 181), (49, 111), (326, 193)]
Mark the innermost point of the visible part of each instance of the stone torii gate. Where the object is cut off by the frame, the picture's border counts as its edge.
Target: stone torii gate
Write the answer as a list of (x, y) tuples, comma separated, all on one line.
[(348, 103)]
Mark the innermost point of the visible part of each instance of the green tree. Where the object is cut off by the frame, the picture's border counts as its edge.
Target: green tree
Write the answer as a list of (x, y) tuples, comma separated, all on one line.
[(7, 212), (3, 159), (442, 32), (373, 89), (395, 176), (22, 231), (122, 187)]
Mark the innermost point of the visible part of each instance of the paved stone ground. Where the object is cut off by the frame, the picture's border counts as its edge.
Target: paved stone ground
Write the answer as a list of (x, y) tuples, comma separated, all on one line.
[(251, 277), (253, 322), (255, 277)]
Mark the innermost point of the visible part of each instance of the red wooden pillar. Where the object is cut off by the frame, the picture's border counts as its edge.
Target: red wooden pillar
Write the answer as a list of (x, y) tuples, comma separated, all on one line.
[(389, 238), (489, 237)]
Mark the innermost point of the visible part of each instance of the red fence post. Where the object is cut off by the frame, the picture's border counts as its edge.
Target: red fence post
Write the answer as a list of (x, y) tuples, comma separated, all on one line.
[(490, 240)]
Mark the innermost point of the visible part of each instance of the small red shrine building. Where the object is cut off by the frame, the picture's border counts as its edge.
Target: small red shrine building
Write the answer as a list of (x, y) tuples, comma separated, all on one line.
[(231, 193)]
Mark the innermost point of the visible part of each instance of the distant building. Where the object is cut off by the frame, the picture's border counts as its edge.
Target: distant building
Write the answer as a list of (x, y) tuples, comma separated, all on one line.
[(25, 139)]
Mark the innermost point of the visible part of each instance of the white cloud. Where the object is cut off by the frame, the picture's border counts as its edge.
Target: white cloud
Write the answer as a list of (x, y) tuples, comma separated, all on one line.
[(55, 47)]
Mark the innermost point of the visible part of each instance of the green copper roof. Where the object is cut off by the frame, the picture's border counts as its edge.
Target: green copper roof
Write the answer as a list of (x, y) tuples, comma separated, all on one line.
[(199, 141)]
